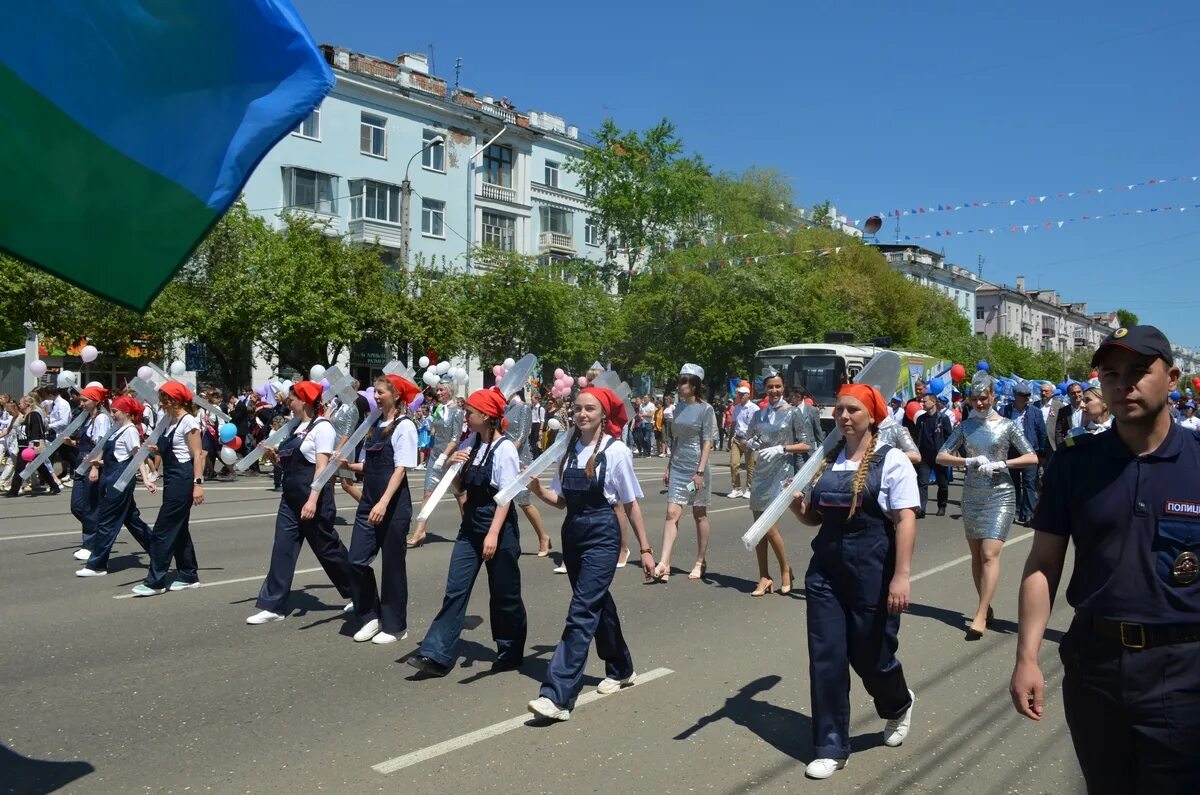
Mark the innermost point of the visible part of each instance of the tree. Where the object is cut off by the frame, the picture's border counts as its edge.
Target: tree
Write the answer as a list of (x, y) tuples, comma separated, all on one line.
[(643, 190), (1126, 318), (1079, 364), (1046, 366), (758, 199), (821, 214)]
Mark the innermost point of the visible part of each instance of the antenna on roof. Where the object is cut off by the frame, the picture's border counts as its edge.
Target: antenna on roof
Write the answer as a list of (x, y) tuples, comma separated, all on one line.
[(457, 71), (432, 63)]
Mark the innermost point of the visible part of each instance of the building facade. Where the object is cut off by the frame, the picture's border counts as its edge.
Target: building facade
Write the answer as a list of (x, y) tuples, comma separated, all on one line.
[(931, 269), (1039, 319)]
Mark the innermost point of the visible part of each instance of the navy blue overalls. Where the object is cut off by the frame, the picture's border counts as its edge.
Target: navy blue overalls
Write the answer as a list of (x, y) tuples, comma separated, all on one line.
[(591, 539), (115, 508), (846, 587), (171, 536), (509, 624), (291, 530), (85, 495), (388, 603)]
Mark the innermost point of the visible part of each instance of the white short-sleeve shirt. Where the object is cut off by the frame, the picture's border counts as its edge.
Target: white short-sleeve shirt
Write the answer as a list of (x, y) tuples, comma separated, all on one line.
[(320, 438), (404, 444), (100, 426), (620, 482), (128, 441), (898, 484), (506, 463), (179, 445)]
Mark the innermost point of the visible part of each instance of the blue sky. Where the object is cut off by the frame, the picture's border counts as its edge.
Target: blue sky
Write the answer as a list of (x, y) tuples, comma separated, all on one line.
[(877, 106)]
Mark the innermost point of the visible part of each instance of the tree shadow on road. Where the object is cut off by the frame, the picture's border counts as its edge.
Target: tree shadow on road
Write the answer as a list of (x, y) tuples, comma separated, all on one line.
[(23, 774)]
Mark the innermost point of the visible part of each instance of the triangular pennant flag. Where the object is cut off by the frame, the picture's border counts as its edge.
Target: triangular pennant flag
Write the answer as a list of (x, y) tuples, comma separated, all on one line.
[(1060, 223)]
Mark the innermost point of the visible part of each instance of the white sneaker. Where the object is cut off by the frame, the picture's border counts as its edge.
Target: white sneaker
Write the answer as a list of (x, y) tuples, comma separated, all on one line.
[(180, 585), (368, 631), (745, 494), (824, 768), (610, 685), (349, 608), (560, 569), (141, 589), (265, 617), (82, 554), (894, 731), (547, 709), (733, 495), (86, 572), (383, 637)]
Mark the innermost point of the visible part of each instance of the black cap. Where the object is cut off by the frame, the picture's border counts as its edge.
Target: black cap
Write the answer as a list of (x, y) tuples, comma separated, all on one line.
[(1022, 389), (1146, 340)]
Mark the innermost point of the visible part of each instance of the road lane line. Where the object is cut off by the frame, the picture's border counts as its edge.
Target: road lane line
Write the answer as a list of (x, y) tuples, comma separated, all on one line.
[(255, 578), (951, 564), (496, 729)]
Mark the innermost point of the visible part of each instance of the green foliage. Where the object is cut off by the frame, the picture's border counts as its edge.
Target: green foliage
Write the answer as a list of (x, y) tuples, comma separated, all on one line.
[(1079, 364), (758, 199), (1126, 318), (821, 214)]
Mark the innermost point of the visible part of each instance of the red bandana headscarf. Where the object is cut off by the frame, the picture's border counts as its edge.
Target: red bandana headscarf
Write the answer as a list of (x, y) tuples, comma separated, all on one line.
[(406, 389), (490, 402), (869, 396), (614, 409)]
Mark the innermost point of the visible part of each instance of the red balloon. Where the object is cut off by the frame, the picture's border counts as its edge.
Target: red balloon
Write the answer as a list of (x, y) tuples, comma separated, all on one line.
[(911, 410), (762, 404), (235, 443), (1094, 374), (809, 401), (958, 372)]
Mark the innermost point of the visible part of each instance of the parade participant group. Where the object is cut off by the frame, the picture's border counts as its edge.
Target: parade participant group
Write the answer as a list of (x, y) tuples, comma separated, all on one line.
[(1115, 468)]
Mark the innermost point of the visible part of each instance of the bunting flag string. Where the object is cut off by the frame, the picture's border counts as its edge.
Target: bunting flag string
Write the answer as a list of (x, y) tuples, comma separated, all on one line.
[(1053, 224), (749, 260), (949, 207)]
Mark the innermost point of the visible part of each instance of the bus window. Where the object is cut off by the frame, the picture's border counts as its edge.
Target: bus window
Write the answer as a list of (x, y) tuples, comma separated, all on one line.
[(853, 371), (820, 376)]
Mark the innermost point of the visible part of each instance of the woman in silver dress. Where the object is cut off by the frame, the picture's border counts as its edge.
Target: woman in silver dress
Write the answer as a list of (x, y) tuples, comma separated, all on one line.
[(688, 478), (448, 418), (777, 434), (981, 443)]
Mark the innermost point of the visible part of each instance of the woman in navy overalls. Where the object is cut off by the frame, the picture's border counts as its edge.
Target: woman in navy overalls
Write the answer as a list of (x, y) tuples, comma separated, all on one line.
[(384, 513), (85, 496), (488, 536), (591, 538), (864, 500), (117, 508), (304, 514), (183, 473)]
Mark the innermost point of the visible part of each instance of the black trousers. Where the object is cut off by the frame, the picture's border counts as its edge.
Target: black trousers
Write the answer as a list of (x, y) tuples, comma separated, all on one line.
[(938, 473), (1134, 715)]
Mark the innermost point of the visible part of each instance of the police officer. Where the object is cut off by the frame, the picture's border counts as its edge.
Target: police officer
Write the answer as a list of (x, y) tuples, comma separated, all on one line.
[(1130, 500)]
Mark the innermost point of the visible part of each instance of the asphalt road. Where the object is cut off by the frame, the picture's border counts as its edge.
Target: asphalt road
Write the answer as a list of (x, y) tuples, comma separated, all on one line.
[(107, 694)]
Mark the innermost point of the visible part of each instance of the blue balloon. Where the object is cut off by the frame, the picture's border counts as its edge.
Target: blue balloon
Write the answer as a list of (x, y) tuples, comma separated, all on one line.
[(1063, 387), (984, 366), (936, 386), (1175, 394), (227, 432), (1059, 391)]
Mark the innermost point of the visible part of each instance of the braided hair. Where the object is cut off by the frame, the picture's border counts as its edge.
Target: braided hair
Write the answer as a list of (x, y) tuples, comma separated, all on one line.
[(590, 469), (860, 475), (496, 438)]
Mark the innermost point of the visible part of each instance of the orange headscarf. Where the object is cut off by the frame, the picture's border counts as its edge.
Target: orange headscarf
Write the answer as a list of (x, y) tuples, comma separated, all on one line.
[(491, 403), (96, 393), (614, 409), (177, 392), (869, 396)]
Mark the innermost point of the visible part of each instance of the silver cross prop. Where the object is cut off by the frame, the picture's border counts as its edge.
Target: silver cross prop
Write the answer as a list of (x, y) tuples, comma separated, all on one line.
[(512, 382), (345, 416), (97, 451), (199, 401), (48, 450), (882, 372), (394, 367), (149, 393)]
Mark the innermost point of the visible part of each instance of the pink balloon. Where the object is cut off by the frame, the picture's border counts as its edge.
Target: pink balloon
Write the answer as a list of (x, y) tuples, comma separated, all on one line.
[(497, 371), (28, 454), (558, 373), (582, 381)]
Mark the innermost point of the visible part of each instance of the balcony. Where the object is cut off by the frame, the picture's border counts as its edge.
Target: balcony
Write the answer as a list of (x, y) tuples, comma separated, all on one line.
[(1047, 331), (556, 241), (369, 230), (498, 193)]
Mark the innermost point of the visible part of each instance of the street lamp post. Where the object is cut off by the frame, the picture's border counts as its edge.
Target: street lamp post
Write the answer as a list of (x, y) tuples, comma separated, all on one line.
[(471, 192), (406, 200)]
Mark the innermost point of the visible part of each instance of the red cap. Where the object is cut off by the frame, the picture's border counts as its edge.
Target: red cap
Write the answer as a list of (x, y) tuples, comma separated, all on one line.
[(176, 391), (308, 391), (489, 402), (614, 409), (869, 396), (96, 393), (406, 389)]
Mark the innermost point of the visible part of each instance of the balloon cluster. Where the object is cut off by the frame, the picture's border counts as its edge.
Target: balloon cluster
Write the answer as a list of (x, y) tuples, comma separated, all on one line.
[(563, 383), (435, 370), (230, 441)]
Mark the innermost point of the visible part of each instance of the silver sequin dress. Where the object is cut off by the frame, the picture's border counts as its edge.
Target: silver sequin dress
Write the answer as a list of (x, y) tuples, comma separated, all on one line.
[(989, 502), (447, 425), (520, 423), (893, 434), (694, 424), (775, 425)]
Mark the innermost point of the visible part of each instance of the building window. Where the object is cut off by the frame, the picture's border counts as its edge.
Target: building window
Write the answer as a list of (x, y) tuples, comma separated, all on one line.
[(433, 157), (551, 174), (310, 127), (979, 314), (433, 218), (497, 165), (499, 231), (591, 232), (556, 220), (375, 200), (372, 135), (310, 190)]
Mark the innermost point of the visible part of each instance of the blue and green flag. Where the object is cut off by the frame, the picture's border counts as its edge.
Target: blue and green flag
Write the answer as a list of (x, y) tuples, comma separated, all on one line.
[(128, 128)]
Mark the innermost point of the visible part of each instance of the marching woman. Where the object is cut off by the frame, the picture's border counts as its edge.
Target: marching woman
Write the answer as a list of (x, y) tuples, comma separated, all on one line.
[(117, 508), (595, 474), (981, 443), (384, 512), (864, 500), (304, 514), (487, 536), (85, 496), (688, 479), (779, 433), (183, 475), (447, 431)]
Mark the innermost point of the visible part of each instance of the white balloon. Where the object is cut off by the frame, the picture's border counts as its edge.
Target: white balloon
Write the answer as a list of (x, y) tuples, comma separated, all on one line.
[(228, 456), (443, 367), (38, 368), (145, 373), (65, 379), (287, 385), (509, 363), (423, 361), (178, 367), (430, 378), (460, 374), (88, 354), (316, 372), (93, 383)]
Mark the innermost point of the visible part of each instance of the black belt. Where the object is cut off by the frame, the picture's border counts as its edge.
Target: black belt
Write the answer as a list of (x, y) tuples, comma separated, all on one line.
[(1133, 635)]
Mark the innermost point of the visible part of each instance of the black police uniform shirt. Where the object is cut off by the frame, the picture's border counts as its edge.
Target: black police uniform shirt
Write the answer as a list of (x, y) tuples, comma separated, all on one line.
[(1135, 522)]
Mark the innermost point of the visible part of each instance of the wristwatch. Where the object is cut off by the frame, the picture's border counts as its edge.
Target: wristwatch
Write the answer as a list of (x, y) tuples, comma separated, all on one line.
[(699, 471), (198, 481), (648, 551)]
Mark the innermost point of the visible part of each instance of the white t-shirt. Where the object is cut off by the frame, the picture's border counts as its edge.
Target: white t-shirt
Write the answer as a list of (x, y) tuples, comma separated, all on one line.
[(60, 414), (404, 444), (320, 438), (668, 413), (100, 425), (647, 410), (128, 441), (1191, 423), (898, 485), (179, 445), (506, 463), (620, 482), (742, 414)]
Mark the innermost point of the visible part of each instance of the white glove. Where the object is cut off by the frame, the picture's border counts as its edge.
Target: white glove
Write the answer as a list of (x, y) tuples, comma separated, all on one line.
[(975, 461), (994, 467), (767, 453), (440, 462)]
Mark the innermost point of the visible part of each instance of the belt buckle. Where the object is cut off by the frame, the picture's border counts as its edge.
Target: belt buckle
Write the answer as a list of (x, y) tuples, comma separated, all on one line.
[(1140, 643)]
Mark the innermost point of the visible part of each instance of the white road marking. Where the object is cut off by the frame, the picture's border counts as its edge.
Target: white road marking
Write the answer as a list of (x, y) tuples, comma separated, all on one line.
[(231, 582), (496, 729), (952, 563)]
